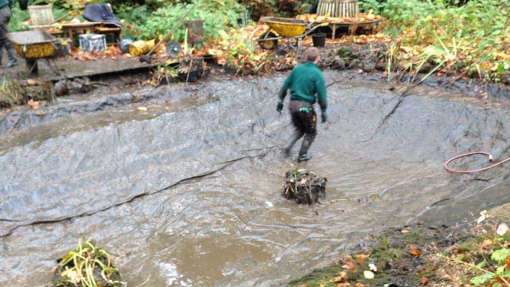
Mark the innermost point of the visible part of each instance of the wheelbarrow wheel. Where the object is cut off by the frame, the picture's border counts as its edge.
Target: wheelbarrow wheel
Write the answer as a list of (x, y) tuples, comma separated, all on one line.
[(267, 41)]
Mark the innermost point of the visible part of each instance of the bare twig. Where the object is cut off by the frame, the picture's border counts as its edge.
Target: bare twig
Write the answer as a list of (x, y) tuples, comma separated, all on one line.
[(333, 83)]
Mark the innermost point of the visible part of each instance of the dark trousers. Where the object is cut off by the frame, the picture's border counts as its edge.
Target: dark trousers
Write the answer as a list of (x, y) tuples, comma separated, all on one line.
[(5, 16), (304, 120)]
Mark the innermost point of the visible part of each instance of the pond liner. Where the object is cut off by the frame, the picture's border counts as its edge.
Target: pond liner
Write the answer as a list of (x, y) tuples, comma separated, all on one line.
[(194, 232), (130, 200)]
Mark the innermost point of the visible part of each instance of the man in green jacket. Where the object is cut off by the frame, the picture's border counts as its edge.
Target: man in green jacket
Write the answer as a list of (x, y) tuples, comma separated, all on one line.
[(307, 86), (5, 16)]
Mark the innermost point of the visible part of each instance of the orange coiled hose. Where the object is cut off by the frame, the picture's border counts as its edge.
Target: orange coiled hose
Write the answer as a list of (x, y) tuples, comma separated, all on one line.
[(460, 171)]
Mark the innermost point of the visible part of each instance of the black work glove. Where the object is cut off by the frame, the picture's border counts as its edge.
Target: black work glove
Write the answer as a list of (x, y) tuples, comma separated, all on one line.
[(279, 107), (324, 116)]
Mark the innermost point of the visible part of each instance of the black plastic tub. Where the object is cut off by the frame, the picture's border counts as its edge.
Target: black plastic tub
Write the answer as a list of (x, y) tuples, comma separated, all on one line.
[(319, 40)]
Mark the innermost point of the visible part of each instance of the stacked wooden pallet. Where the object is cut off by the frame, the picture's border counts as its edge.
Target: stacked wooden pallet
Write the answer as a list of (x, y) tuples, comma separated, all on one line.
[(338, 8)]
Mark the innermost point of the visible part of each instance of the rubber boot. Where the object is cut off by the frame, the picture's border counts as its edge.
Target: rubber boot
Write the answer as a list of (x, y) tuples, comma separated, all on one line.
[(305, 146), (11, 55), (293, 142)]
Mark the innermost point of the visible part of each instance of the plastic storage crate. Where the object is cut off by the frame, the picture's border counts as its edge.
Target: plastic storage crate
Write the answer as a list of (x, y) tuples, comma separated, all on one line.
[(92, 42)]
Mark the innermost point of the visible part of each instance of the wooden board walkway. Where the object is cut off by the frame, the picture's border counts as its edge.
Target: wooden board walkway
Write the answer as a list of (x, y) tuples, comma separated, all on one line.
[(71, 68)]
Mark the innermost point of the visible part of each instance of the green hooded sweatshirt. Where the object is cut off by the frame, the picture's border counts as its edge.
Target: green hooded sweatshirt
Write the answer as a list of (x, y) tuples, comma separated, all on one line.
[(306, 83), (5, 3)]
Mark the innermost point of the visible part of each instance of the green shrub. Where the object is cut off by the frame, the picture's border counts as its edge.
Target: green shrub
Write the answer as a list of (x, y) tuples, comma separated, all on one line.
[(18, 17), (471, 38), (217, 16)]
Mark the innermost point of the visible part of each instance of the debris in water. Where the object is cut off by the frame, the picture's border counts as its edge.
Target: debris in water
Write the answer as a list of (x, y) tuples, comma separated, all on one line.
[(87, 266), (303, 186)]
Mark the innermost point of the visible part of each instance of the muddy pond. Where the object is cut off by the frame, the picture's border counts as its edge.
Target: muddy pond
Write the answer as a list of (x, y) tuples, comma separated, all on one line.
[(186, 191)]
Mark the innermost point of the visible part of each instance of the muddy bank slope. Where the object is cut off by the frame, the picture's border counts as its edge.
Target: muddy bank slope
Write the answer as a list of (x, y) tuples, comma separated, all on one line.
[(191, 197)]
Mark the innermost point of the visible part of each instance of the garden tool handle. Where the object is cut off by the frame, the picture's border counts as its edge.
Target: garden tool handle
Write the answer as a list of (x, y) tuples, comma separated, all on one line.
[(158, 44)]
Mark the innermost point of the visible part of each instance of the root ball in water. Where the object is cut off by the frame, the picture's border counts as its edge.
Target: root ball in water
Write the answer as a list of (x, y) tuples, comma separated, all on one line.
[(304, 187)]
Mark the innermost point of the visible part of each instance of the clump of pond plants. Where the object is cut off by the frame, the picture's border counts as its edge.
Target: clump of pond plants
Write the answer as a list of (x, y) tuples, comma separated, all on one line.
[(304, 186), (87, 266)]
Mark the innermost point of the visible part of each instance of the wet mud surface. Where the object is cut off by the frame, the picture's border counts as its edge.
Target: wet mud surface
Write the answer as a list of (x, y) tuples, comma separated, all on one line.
[(188, 193)]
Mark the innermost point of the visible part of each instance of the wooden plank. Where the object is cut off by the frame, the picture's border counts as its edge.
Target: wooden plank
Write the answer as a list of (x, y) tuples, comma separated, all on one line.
[(79, 69)]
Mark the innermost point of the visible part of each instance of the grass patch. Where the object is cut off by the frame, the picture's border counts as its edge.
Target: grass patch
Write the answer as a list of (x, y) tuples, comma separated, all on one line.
[(422, 256)]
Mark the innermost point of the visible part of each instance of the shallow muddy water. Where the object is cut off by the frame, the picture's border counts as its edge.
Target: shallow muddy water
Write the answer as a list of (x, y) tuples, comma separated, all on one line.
[(190, 195)]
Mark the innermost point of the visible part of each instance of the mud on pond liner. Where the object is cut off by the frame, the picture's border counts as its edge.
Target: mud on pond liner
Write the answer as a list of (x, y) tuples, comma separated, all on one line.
[(233, 228)]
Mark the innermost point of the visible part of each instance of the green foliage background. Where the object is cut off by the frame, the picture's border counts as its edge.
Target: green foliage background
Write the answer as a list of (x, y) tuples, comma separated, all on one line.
[(470, 37)]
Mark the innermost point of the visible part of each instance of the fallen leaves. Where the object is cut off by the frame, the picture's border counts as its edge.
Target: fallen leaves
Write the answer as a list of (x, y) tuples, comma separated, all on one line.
[(112, 52), (349, 264), (414, 250), (428, 263), (340, 278), (424, 281), (34, 105), (486, 244), (361, 258)]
